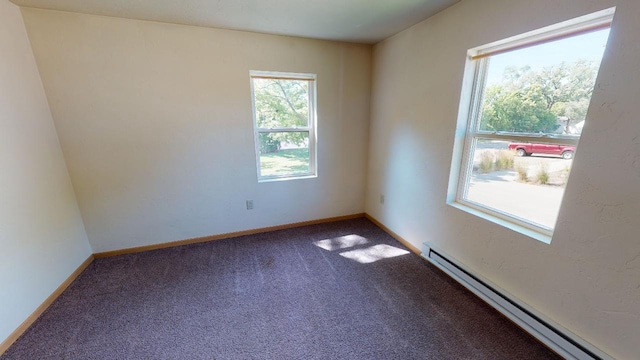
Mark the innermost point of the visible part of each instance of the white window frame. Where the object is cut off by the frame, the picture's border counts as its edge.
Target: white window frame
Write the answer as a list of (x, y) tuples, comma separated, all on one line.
[(310, 128), (468, 132)]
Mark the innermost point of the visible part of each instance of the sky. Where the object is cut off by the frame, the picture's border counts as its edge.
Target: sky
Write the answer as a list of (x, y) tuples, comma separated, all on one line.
[(589, 46)]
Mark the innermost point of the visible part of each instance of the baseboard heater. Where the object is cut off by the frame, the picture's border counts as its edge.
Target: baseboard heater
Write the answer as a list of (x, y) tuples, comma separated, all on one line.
[(560, 340)]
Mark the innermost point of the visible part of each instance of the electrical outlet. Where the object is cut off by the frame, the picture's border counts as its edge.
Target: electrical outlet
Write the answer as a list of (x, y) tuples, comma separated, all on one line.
[(382, 199), (249, 204)]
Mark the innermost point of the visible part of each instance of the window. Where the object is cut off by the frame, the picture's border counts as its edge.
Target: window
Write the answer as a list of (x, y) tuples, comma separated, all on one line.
[(284, 114), (523, 107)]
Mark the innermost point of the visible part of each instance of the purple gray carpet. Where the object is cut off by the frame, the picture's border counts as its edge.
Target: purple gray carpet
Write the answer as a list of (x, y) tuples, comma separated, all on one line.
[(280, 295)]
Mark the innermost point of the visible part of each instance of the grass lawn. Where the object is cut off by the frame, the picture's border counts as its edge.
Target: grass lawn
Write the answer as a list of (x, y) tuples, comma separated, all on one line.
[(285, 162)]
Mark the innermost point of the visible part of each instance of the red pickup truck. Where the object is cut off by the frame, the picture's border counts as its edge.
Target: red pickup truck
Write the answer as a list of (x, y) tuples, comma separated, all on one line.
[(526, 149)]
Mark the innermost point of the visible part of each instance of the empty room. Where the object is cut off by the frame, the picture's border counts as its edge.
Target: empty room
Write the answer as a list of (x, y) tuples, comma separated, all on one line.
[(354, 179)]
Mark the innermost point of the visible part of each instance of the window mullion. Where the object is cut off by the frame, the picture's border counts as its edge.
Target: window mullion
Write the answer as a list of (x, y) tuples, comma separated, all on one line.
[(515, 137), (272, 130)]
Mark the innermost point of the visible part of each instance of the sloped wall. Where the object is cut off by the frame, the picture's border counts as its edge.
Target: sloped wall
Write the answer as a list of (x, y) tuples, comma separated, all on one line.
[(41, 232)]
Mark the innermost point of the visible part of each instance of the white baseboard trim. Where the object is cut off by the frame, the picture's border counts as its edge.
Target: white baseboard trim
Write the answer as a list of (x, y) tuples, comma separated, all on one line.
[(554, 336)]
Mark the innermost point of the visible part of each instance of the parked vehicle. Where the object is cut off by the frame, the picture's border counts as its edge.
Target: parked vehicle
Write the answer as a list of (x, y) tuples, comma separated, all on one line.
[(526, 149)]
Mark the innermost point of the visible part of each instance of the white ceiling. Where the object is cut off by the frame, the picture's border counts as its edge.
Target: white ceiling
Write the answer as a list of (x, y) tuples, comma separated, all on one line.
[(362, 21)]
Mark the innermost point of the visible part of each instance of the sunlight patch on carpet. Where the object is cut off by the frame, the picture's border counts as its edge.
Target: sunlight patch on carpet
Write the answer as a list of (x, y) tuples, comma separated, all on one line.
[(341, 242), (373, 253)]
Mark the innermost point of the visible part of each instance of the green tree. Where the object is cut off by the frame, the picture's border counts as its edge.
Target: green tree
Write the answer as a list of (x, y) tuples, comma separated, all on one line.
[(531, 101), (281, 103), (517, 111)]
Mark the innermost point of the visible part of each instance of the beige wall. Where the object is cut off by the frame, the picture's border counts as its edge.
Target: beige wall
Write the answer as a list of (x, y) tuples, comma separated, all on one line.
[(41, 233), (156, 126), (588, 278)]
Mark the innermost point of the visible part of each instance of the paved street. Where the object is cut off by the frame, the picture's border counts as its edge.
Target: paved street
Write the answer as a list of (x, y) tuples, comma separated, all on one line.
[(501, 191)]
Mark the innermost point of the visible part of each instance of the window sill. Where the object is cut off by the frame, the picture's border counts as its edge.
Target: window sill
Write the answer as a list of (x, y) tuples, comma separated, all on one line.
[(505, 223), (286, 178)]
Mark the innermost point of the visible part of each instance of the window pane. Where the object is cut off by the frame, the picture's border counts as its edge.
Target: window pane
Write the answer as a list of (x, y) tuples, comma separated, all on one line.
[(543, 88), (284, 153), (525, 180), (281, 103)]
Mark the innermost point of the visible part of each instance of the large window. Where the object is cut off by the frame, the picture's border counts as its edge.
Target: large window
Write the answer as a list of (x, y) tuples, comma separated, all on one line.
[(520, 122), (284, 114)]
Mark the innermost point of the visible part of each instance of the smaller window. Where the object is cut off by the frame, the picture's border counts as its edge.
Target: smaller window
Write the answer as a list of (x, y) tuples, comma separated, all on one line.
[(284, 114)]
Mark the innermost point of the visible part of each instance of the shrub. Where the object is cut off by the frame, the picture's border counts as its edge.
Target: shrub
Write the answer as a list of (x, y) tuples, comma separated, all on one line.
[(564, 175), (269, 145), (504, 160), (543, 175), (486, 162), (522, 173)]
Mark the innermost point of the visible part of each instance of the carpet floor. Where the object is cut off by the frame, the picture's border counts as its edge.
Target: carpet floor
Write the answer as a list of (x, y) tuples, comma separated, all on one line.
[(341, 290)]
